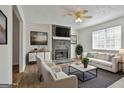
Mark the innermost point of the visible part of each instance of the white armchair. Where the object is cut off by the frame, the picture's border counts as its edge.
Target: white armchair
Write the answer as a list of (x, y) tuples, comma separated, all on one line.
[(55, 77)]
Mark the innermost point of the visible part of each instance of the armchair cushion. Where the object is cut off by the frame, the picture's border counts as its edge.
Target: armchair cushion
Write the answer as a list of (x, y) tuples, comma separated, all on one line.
[(61, 75), (48, 74), (56, 69)]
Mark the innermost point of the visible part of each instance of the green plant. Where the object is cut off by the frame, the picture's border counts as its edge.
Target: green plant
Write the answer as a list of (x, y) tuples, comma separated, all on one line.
[(79, 49), (85, 60)]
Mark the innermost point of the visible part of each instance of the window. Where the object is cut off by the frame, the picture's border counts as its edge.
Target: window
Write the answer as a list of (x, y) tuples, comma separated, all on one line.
[(107, 39)]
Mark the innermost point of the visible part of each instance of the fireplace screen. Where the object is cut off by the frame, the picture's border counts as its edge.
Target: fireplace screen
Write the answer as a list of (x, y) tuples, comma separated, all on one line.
[(61, 54)]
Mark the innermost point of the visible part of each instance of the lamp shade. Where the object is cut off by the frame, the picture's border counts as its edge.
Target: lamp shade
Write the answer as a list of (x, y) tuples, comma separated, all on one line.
[(121, 51)]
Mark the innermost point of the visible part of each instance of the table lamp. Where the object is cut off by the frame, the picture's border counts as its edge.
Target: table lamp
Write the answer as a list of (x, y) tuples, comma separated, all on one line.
[(121, 53)]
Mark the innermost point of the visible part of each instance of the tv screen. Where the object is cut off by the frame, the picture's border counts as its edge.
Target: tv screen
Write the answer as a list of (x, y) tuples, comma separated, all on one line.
[(39, 38), (62, 32)]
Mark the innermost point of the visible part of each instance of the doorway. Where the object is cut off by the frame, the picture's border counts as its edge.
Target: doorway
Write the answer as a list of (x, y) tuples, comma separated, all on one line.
[(16, 45)]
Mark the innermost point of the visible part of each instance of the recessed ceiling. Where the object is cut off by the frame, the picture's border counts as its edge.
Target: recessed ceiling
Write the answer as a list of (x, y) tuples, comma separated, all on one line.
[(54, 14)]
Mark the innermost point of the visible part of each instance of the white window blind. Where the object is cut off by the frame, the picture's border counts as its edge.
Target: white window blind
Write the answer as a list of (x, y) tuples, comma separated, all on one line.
[(99, 39), (107, 39)]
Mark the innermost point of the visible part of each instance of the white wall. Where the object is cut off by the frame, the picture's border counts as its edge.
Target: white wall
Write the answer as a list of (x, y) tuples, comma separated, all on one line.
[(85, 35), (6, 50), (41, 28)]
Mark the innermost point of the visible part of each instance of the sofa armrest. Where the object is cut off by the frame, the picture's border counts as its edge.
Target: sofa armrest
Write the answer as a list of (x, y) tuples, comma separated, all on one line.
[(115, 63), (69, 82)]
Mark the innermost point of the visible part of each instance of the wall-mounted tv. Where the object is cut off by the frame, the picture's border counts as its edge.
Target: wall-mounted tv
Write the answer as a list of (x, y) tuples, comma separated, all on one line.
[(62, 31), (38, 38)]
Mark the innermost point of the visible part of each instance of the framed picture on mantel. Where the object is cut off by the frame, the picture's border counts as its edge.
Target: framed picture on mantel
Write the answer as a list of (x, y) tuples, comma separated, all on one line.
[(73, 39), (3, 28)]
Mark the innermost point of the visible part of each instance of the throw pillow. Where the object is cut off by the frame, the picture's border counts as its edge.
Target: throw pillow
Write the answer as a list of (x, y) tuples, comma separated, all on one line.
[(90, 55), (110, 57)]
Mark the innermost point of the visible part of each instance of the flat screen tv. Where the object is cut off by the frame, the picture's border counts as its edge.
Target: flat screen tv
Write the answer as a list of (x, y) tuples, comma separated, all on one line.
[(62, 31), (39, 38)]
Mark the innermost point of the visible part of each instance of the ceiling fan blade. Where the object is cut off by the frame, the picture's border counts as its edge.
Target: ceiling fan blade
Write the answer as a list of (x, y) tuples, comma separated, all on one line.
[(68, 14), (84, 11), (86, 16), (69, 10)]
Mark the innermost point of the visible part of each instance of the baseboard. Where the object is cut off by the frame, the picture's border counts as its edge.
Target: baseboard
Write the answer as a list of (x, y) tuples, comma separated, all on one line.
[(5, 86)]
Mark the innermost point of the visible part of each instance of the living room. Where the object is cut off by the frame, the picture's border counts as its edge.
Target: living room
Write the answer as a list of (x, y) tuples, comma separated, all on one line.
[(51, 37), (61, 43)]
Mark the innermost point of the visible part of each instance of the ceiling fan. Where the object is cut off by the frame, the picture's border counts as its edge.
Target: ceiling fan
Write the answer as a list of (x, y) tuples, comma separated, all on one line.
[(79, 14)]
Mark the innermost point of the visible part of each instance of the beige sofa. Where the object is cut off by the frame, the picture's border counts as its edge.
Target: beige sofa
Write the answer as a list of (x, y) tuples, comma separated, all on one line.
[(54, 77), (104, 60)]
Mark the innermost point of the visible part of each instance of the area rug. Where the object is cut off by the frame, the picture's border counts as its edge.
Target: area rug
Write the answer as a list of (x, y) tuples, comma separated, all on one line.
[(103, 80)]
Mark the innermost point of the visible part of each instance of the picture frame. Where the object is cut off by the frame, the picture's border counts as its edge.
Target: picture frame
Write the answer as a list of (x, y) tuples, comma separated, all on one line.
[(73, 39), (38, 38), (3, 28)]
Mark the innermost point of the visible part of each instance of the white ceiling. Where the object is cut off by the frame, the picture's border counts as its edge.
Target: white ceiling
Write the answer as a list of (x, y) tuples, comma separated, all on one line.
[(53, 14)]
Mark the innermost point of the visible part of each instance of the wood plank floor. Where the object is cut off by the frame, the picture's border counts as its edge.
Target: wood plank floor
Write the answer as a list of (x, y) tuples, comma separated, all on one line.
[(29, 78), (15, 73)]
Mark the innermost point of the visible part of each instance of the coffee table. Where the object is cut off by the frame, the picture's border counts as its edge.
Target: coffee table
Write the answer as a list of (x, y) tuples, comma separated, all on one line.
[(80, 67)]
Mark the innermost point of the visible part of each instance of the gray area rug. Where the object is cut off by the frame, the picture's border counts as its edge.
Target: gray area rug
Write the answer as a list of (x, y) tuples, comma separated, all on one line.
[(103, 80)]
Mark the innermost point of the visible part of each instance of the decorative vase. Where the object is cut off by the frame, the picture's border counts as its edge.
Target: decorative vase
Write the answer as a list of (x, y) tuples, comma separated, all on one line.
[(85, 65)]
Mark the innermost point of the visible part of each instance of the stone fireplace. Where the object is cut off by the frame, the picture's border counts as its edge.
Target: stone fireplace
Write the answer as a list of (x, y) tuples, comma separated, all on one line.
[(61, 49)]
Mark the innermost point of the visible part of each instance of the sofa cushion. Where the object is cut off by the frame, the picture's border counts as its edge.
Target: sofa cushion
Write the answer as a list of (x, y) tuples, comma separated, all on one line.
[(101, 62), (104, 56), (100, 56)]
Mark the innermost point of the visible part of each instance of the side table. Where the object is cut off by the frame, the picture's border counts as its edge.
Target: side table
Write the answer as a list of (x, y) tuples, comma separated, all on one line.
[(120, 67)]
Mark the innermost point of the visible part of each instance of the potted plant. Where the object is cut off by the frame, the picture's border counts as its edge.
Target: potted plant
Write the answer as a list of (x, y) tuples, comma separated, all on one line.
[(85, 61), (79, 50)]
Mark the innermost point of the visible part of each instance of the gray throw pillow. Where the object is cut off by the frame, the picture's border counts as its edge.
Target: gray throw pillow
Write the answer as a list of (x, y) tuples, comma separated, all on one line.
[(110, 57)]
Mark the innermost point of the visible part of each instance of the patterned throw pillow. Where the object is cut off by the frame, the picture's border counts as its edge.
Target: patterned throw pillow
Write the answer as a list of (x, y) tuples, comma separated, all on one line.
[(90, 55)]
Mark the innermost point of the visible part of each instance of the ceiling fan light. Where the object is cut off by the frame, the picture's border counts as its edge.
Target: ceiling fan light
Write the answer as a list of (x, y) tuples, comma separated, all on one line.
[(78, 20)]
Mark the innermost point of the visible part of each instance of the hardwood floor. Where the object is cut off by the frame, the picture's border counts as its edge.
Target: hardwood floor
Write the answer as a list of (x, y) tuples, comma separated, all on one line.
[(29, 78), (15, 73)]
